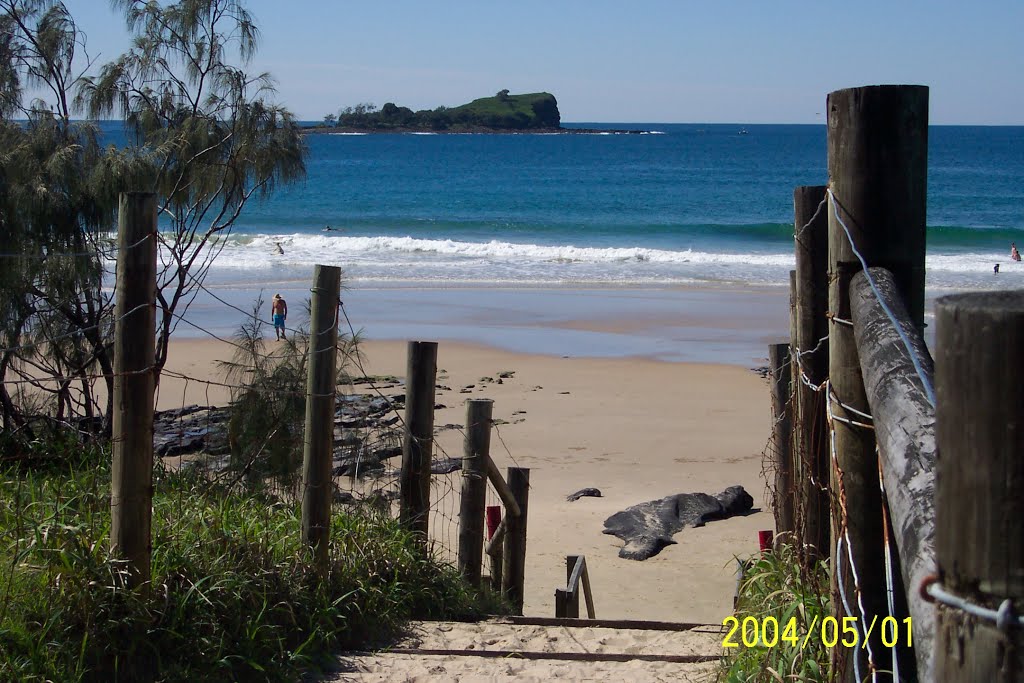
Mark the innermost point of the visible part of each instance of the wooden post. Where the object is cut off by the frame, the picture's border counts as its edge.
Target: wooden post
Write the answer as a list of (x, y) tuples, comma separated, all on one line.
[(514, 570), (418, 444), (905, 431), (495, 525), (877, 162), (811, 356), (778, 359), (573, 605), (979, 510), (131, 480), (318, 442), (475, 455)]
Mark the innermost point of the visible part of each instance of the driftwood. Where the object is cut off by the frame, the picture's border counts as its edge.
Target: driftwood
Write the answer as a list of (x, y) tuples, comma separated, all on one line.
[(648, 527), (905, 431)]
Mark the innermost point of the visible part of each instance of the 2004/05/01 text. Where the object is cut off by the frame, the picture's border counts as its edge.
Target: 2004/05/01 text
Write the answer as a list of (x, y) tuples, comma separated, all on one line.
[(768, 632)]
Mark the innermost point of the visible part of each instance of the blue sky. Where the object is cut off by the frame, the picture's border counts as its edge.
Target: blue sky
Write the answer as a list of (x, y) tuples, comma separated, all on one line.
[(641, 61)]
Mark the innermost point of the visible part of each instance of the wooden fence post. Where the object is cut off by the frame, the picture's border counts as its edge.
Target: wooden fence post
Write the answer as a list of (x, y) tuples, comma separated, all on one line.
[(779, 361), (811, 340), (979, 509), (877, 162), (418, 443), (131, 480), (318, 441), (895, 378), (474, 488), (514, 570)]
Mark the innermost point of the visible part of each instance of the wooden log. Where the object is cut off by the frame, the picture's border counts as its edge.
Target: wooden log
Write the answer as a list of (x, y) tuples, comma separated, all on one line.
[(497, 564), (979, 509), (779, 361), (418, 441), (514, 569), (131, 479), (498, 539), (504, 492), (811, 454), (588, 594), (877, 162), (476, 453), (318, 442), (495, 551), (573, 567), (905, 431)]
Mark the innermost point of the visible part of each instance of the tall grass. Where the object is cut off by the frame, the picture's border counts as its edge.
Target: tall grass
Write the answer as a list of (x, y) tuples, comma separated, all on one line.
[(773, 586), (234, 596)]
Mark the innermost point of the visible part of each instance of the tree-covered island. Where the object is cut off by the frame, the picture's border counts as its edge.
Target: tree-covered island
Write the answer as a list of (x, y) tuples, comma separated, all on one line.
[(502, 113)]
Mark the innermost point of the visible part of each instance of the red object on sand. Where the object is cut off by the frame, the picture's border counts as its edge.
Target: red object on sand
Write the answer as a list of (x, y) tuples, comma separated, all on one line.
[(493, 520), (764, 539)]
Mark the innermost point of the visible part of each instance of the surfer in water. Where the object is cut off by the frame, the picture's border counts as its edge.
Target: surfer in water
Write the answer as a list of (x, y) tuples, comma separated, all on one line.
[(280, 250)]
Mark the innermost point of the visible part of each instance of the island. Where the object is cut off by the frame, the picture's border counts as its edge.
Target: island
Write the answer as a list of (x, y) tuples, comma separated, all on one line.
[(501, 113)]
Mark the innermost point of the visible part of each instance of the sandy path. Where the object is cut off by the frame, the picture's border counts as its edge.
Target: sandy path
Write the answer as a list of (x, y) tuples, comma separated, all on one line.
[(540, 642)]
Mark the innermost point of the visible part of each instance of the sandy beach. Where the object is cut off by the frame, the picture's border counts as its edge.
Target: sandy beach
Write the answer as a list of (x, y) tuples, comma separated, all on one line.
[(636, 428)]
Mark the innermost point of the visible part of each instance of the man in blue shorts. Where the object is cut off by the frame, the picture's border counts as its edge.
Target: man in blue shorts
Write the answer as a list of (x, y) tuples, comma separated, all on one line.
[(279, 308)]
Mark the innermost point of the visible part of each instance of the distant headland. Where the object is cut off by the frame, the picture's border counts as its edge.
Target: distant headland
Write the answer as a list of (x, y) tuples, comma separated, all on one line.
[(502, 113)]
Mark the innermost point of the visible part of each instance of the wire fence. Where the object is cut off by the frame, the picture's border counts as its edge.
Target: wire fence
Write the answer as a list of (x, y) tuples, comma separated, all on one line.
[(244, 432), (817, 412)]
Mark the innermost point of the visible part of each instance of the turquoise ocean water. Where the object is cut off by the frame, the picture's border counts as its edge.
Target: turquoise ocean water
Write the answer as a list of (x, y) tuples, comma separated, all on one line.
[(682, 203), (587, 244)]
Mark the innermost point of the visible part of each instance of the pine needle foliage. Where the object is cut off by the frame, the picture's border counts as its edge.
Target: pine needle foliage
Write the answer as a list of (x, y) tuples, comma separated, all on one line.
[(268, 405)]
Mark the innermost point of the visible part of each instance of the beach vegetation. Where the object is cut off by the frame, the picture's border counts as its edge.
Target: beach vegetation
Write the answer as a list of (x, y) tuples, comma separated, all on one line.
[(268, 399), (774, 587), (501, 112), (234, 594), (203, 134)]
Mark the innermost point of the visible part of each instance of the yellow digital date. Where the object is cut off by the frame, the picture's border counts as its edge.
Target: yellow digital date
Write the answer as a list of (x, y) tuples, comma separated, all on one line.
[(830, 631)]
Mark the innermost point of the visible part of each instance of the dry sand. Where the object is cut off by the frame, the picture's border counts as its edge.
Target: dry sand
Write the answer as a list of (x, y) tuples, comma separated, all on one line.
[(636, 429)]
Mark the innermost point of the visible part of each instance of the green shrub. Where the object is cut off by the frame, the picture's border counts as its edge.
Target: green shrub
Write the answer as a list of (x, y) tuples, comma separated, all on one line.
[(773, 586), (234, 595)]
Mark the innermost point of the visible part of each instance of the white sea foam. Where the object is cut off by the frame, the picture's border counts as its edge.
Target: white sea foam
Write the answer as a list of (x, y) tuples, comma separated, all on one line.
[(388, 258)]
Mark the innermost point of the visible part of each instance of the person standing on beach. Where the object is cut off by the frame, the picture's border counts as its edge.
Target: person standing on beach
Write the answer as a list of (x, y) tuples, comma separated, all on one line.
[(279, 309)]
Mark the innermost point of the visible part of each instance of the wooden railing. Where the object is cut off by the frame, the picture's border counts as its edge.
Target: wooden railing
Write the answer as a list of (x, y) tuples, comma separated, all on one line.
[(567, 600)]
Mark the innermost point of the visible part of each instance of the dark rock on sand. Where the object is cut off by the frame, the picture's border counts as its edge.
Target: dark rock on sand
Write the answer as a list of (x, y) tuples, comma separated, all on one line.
[(191, 429), (648, 527), (589, 492)]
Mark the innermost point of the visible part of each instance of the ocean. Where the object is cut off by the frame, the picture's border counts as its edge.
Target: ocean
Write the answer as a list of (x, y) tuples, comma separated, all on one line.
[(679, 204), (674, 244)]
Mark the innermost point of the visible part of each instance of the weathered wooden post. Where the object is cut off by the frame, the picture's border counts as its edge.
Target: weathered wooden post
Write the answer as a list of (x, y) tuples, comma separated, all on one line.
[(811, 355), (979, 509), (131, 479), (779, 361), (898, 371), (418, 444), (475, 454), (878, 170), (318, 441), (514, 571), (495, 545)]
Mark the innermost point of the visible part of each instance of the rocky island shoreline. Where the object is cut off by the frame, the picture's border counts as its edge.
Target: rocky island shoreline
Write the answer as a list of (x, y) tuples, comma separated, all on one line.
[(502, 114)]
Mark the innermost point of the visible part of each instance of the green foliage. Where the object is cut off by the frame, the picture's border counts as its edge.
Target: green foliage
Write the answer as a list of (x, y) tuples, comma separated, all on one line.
[(501, 112), (234, 596), (268, 409), (205, 136), (773, 586)]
